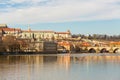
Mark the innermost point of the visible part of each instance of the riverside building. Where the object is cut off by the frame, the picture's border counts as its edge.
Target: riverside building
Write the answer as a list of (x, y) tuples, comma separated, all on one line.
[(31, 40), (46, 35), (33, 34), (5, 30)]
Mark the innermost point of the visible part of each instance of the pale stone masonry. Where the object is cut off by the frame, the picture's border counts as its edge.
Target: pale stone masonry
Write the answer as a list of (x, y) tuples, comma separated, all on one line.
[(3, 25), (32, 34), (44, 34)]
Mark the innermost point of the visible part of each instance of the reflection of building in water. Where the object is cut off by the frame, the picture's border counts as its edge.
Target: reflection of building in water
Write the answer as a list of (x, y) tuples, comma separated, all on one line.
[(64, 61), (96, 59), (49, 59), (26, 59)]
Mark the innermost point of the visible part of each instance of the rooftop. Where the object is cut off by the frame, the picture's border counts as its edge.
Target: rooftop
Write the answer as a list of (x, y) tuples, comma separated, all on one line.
[(38, 31), (62, 33), (10, 29)]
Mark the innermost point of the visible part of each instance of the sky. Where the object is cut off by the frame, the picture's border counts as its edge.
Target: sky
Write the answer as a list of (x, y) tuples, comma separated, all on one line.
[(78, 16)]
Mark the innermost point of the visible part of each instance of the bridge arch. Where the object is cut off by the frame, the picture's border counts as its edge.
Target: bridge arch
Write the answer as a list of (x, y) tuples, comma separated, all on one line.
[(115, 50), (92, 50), (104, 50)]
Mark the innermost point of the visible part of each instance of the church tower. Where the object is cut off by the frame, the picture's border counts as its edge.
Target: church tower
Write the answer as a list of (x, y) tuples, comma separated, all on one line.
[(69, 33), (29, 29)]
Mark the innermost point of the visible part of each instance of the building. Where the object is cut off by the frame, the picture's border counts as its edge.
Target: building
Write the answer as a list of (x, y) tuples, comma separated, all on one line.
[(1, 33), (63, 35), (36, 35), (46, 35), (5, 30), (3, 26)]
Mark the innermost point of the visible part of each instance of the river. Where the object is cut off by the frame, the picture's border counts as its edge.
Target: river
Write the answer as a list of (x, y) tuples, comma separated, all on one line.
[(60, 67)]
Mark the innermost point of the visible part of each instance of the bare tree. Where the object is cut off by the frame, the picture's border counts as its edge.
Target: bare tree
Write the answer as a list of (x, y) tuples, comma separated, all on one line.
[(10, 43)]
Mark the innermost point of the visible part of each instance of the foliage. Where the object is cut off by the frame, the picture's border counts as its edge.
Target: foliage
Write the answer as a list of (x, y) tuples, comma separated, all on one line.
[(98, 37), (10, 43)]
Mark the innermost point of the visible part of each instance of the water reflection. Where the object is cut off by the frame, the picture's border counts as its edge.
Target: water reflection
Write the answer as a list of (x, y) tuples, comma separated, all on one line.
[(59, 67)]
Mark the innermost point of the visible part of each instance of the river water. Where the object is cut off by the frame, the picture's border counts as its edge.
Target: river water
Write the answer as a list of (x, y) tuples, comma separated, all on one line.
[(60, 67)]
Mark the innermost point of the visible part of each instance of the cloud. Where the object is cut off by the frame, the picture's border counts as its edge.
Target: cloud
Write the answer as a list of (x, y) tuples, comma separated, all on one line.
[(39, 11)]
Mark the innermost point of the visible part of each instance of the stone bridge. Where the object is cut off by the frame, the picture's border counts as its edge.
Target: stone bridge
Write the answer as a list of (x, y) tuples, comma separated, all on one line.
[(96, 49), (100, 49)]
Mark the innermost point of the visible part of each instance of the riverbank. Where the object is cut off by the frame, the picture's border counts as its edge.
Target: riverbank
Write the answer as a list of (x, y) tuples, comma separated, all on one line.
[(70, 54)]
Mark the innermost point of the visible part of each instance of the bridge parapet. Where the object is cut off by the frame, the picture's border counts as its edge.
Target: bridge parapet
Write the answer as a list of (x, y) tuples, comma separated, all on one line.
[(100, 49)]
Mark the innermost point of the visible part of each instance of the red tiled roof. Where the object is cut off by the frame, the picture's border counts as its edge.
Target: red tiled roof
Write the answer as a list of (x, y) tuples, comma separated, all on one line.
[(62, 33), (10, 29), (38, 31)]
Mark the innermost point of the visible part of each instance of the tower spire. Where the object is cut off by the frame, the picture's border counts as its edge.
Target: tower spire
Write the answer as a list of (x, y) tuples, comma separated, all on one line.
[(69, 31), (29, 29)]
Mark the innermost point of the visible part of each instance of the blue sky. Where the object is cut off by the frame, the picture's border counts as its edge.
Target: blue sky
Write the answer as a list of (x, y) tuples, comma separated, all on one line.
[(79, 16)]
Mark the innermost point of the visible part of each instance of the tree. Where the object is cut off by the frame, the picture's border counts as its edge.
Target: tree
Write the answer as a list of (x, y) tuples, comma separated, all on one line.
[(90, 37), (10, 43)]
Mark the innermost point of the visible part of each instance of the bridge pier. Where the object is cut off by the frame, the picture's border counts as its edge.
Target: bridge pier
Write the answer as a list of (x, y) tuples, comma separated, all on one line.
[(111, 50), (97, 50)]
